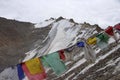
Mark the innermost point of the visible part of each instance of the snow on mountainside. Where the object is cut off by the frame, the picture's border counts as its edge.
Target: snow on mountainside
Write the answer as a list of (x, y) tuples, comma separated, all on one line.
[(44, 23), (63, 33)]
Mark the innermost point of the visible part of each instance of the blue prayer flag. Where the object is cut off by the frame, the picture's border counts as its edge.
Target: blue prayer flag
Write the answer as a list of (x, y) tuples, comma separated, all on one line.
[(80, 44), (20, 72)]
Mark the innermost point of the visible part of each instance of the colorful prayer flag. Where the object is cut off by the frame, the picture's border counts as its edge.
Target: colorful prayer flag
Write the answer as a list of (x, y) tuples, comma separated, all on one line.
[(55, 63), (103, 37), (92, 41), (61, 54), (39, 76), (44, 62), (110, 31), (20, 72), (80, 44), (89, 54), (34, 66), (117, 26), (102, 45)]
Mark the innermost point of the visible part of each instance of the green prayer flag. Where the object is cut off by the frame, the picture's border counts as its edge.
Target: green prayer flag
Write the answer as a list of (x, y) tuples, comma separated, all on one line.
[(55, 63), (44, 62), (101, 44), (103, 37)]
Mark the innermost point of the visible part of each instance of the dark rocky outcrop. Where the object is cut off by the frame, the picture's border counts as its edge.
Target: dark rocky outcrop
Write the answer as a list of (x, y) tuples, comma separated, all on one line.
[(16, 38)]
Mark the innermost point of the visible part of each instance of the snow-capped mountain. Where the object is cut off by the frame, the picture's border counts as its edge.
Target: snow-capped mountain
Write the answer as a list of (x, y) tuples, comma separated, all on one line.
[(64, 33), (56, 34)]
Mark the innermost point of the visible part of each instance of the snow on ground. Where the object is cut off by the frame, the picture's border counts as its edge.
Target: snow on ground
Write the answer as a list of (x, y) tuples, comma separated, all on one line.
[(111, 40), (78, 55), (44, 23), (70, 76), (77, 64), (30, 55), (68, 62), (97, 50), (9, 74), (118, 66), (100, 58)]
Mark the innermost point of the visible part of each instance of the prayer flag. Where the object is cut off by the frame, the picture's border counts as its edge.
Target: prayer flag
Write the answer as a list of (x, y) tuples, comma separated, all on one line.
[(61, 54), (110, 31), (80, 44), (20, 72), (103, 37), (44, 62), (117, 26), (37, 76), (92, 41), (55, 63), (34, 66), (89, 54)]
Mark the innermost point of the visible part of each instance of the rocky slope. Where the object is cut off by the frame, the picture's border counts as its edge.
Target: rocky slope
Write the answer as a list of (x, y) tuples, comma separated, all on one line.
[(17, 38), (55, 34)]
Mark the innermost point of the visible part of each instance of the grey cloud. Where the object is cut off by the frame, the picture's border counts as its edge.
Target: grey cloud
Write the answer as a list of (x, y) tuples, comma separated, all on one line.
[(102, 12)]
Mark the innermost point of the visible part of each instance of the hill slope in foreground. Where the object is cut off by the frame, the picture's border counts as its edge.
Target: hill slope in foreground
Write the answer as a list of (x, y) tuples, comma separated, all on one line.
[(23, 40)]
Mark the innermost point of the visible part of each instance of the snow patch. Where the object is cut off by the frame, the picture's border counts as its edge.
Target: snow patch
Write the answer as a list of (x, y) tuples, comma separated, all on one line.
[(44, 24)]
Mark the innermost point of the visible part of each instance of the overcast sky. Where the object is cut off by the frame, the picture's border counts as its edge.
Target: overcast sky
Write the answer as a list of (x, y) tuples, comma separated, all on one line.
[(102, 12)]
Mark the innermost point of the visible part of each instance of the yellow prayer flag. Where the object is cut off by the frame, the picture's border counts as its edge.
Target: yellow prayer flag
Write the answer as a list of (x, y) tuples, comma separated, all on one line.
[(92, 41), (34, 66)]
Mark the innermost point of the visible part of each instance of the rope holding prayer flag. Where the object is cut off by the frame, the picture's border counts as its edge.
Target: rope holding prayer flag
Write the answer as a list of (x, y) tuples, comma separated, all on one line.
[(70, 49), (20, 72), (34, 66)]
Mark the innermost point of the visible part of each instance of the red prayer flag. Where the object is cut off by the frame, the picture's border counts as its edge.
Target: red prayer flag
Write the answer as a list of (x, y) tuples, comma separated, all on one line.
[(39, 76), (61, 54), (109, 30), (117, 26)]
